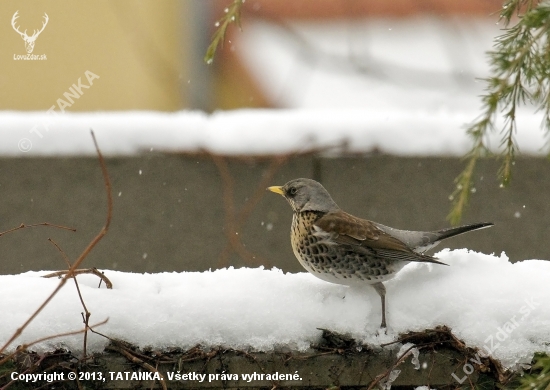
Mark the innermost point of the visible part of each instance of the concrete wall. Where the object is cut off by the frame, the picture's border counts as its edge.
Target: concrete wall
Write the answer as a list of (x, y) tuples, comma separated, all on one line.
[(172, 215)]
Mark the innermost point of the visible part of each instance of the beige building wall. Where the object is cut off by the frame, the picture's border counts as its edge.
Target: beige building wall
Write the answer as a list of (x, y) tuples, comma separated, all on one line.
[(134, 47)]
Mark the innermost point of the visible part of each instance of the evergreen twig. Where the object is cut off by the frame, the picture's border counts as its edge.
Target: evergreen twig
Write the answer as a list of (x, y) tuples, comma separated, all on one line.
[(539, 378), (519, 76), (232, 15)]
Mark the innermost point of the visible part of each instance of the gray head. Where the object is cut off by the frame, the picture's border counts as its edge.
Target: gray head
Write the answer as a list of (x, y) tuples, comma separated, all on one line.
[(306, 195)]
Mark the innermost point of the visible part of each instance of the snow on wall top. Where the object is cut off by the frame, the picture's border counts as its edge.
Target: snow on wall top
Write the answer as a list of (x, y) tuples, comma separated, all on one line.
[(393, 131), (487, 301)]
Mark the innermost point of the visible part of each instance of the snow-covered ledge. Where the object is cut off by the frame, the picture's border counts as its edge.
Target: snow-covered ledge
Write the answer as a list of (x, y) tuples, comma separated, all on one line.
[(486, 301), (433, 132)]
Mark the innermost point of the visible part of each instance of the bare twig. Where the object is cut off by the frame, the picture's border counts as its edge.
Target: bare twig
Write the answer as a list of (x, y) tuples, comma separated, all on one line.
[(134, 359), (441, 330), (71, 333), (30, 368), (234, 220), (389, 370), (23, 226), (275, 384), (93, 271), (83, 255), (276, 163), (86, 315)]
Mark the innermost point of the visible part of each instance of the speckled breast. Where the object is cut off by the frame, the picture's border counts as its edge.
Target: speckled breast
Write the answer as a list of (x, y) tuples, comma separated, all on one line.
[(333, 262)]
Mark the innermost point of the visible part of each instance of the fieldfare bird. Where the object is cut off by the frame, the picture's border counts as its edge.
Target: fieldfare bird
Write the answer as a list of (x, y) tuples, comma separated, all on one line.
[(339, 248)]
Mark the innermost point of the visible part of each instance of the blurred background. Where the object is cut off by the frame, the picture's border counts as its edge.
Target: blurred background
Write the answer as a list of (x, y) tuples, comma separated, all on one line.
[(181, 207), (289, 53)]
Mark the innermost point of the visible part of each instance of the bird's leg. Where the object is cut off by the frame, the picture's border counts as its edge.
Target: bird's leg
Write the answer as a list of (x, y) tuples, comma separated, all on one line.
[(381, 290)]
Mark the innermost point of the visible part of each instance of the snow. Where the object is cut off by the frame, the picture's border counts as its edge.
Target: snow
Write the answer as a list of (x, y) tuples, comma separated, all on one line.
[(394, 130), (487, 301)]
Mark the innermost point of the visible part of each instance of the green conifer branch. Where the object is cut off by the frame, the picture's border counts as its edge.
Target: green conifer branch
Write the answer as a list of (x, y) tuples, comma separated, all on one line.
[(232, 15), (539, 378), (520, 64)]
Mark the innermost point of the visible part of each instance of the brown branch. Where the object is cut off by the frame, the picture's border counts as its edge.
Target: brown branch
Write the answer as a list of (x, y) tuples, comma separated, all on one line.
[(81, 258), (23, 226), (86, 315), (414, 335), (234, 220), (124, 351), (29, 369), (71, 333), (276, 163), (81, 271), (121, 343), (389, 370), (231, 225), (275, 384)]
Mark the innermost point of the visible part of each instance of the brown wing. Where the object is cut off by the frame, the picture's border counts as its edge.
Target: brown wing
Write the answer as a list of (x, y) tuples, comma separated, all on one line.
[(359, 233)]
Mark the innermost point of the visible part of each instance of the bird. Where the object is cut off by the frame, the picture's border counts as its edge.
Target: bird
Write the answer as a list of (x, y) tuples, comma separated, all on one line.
[(340, 248)]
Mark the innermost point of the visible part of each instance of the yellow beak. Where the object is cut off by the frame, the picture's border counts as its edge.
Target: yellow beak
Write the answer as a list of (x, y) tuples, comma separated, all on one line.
[(276, 189)]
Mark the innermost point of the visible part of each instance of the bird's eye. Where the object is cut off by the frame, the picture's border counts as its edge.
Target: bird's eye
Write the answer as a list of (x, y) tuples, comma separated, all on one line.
[(292, 191)]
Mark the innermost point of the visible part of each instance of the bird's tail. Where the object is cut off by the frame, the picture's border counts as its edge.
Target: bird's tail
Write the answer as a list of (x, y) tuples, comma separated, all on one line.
[(450, 232)]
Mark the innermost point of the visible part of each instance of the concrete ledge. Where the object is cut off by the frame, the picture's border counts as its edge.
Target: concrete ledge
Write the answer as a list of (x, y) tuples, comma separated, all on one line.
[(337, 362), (313, 370)]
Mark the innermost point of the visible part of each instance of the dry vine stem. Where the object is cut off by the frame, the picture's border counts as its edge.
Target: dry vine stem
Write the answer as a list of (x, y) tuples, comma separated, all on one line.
[(233, 219), (83, 255), (399, 361), (121, 347), (134, 359), (23, 226), (71, 333), (93, 271), (236, 219), (86, 315)]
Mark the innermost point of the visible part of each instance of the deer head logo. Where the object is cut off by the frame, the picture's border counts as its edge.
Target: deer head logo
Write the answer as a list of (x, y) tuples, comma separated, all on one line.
[(29, 41)]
